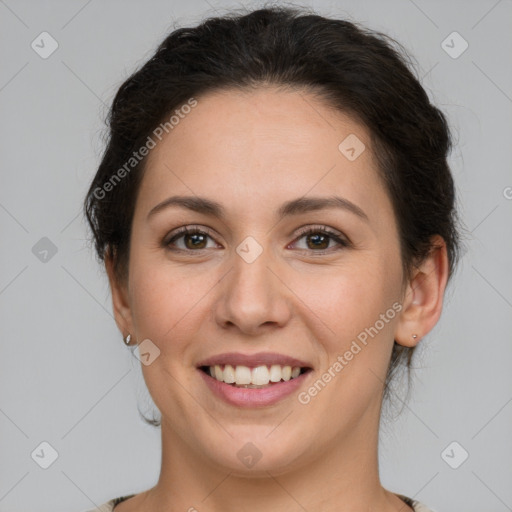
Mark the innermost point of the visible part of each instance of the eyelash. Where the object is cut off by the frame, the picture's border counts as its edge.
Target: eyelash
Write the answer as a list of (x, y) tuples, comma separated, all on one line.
[(324, 230)]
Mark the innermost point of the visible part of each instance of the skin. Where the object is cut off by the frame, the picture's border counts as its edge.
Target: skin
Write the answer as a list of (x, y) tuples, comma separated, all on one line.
[(251, 151)]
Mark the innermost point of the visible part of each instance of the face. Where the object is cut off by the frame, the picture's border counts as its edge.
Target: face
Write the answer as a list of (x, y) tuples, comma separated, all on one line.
[(311, 286)]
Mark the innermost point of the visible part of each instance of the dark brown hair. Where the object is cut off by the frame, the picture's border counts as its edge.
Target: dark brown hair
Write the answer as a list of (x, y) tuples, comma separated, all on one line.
[(360, 72)]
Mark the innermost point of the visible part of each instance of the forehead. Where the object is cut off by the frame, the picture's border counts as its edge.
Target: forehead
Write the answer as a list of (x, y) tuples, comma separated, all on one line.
[(263, 145), (283, 122)]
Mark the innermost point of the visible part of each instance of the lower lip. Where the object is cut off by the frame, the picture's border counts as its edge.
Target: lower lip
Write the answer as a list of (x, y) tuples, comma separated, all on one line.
[(253, 397)]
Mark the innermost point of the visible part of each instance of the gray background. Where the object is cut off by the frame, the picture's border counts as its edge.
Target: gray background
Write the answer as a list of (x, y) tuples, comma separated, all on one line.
[(65, 376)]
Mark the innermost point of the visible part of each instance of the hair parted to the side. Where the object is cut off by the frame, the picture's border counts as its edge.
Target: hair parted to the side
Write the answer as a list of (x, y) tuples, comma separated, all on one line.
[(360, 72)]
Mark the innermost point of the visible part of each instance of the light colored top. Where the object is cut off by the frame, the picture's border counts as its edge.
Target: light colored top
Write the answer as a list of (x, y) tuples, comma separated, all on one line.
[(109, 505)]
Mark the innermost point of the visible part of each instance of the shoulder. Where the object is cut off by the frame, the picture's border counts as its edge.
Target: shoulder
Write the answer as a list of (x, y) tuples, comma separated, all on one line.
[(416, 505), (109, 505), (106, 507)]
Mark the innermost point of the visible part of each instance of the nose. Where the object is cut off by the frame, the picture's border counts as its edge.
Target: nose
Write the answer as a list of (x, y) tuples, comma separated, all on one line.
[(253, 297)]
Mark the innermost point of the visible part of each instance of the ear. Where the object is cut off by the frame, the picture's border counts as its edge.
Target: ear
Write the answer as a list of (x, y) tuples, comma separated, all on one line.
[(423, 300), (120, 302)]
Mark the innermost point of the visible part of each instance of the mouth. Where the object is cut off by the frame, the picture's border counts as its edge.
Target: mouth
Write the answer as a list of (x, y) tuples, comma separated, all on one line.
[(253, 380), (258, 377)]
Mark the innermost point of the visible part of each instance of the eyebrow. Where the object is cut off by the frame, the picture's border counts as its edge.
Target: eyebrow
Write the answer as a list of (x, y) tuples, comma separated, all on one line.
[(293, 207)]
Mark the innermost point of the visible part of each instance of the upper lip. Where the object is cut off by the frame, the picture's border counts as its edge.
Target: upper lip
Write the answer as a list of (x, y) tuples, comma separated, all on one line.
[(253, 360)]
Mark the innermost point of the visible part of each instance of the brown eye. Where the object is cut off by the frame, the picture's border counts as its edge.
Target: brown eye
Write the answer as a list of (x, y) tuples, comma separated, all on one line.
[(193, 240), (196, 240), (318, 240)]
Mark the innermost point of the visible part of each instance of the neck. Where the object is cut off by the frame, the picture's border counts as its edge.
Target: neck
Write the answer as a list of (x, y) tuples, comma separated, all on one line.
[(343, 477)]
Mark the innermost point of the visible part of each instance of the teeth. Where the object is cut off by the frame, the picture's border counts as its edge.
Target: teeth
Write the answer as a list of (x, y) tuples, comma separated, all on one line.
[(219, 374), (228, 375), (259, 376), (242, 375), (275, 373)]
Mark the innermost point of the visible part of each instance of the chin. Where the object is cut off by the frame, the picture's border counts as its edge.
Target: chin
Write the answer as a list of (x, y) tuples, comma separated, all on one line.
[(258, 451)]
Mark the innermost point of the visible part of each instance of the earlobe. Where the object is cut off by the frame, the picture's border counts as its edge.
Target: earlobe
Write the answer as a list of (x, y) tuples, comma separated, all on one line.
[(120, 303), (423, 301)]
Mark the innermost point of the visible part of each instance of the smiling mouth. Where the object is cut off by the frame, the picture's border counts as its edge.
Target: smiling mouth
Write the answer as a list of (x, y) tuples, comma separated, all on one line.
[(258, 377)]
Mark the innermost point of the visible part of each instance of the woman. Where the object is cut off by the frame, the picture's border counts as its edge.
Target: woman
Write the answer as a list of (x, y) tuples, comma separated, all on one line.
[(276, 216)]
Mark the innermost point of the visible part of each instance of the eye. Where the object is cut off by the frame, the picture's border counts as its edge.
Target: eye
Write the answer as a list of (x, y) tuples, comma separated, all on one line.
[(193, 238), (318, 239)]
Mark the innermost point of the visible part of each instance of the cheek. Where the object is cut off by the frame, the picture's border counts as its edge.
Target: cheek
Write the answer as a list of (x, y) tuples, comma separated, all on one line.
[(357, 306), (169, 303), (364, 313), (165, 305), (352, 299), (161, 298)]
